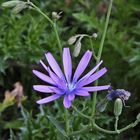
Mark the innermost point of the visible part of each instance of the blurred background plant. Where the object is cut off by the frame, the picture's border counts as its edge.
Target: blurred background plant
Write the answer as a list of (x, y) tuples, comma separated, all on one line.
[(24, 37)]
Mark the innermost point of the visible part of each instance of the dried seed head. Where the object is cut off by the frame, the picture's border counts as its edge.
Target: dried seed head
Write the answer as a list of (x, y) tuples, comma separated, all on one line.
[(118, 93)]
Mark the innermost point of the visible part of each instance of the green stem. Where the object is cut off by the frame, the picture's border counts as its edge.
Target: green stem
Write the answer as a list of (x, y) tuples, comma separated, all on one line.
[(91, 44), (38, 10), (57, 37), (80, 113), (104, 32), (94, 101), (87, 128), (116, 123), (67, 121), (96, 127), (129, 126), (51, 22), (99, 55)]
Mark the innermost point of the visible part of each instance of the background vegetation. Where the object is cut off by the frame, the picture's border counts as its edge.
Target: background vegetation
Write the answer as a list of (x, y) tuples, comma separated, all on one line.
[(25, 37)]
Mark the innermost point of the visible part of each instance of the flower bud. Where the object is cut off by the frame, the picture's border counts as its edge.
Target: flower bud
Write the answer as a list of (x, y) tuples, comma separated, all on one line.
[(9, 4), (77, 48), (19, 7), (118, 107), (95, 35), (72, 40), (138, 117), (56, 15)]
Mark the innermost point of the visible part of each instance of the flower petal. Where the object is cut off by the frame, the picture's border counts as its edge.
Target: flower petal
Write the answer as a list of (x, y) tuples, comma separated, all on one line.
[(48, 99), (92, 78), (92, 71), (71, 96), (54, 65), (43, 88), (67, 64), (60, 83), (82, 65), (66, 102), (57, 90), (82, 92), (96, 88), (45, 67), (43, 77)]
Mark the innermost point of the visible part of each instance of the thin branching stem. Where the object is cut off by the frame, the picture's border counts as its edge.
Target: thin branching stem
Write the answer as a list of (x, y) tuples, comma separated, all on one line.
[(80, 113), (96, 127), (51, 22), (99, 56), (57, 37), (92, 47)]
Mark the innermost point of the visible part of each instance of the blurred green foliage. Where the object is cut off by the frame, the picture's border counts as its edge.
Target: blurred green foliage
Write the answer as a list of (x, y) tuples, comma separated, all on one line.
[(24, 38)]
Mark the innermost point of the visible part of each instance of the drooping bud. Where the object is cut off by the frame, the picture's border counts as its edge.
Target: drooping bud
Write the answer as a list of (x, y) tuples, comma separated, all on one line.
[(10, 4), (72, 40), (77, 48), (19, 7), (138, 117), (118, 107), (78, 45)]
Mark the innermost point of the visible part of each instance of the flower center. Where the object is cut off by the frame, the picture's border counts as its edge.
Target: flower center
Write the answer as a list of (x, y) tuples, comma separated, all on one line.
[(71, 87)]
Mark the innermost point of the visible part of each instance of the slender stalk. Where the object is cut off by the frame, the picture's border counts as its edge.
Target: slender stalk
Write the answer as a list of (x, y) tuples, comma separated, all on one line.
[(51, 22), (104, 130), (129, 126), (96, 127), (116, 123), (80, 113), (87, 128), (99, 55), (38, 10), (91, 44), (67, 121), (57, 37)]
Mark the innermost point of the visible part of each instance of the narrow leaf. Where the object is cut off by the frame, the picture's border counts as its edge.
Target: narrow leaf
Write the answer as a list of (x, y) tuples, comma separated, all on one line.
[(57, 125)]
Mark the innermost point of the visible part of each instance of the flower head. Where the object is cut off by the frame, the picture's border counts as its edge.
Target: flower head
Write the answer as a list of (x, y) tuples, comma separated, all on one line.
[(118, 93), (66, 85)]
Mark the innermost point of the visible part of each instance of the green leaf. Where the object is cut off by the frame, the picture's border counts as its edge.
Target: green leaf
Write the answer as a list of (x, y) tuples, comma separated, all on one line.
[(12, 136), (57, 125), (14, 124)]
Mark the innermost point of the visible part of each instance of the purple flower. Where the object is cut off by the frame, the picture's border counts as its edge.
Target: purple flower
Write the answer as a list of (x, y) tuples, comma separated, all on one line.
[(66, 85)]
